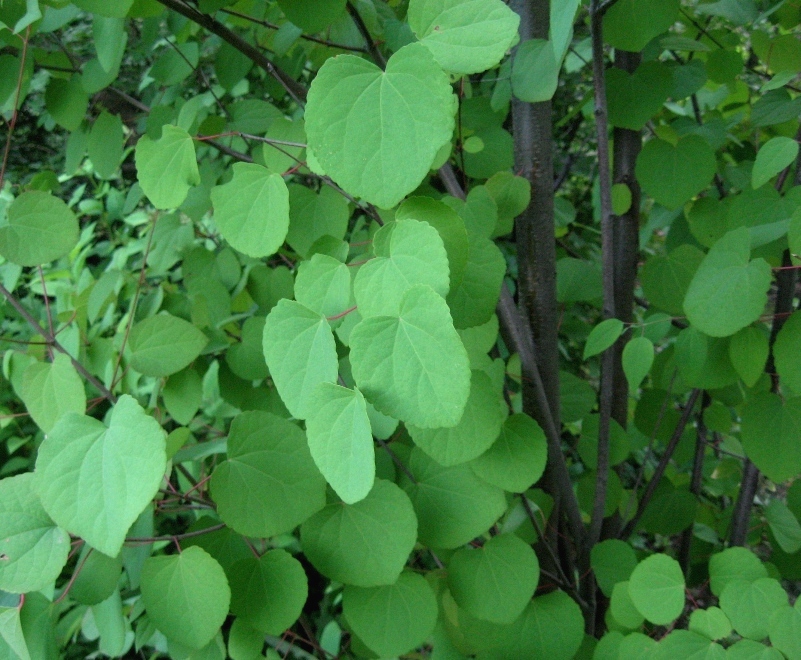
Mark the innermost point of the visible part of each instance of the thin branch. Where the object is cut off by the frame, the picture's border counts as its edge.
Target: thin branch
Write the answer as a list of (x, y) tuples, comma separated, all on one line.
[(695, 481), (143, 540), (396, 460), (18, 92), (362, 27)]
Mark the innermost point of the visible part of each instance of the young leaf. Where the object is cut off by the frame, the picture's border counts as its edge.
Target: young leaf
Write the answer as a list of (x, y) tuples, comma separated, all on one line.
[(413, 367), (409, 604), (269, 484), (50, 390), (40, 229), (364, 544), (728, 291), (776, 154), (124, 463), (358, 120), (167, 168), (638, 356), (340, 440), (186, 595), (300, 352), (268, 593), (33, 549), (164, 344), (464, 37), (494, 582), (656, 588), (252, 210), (602, 337)]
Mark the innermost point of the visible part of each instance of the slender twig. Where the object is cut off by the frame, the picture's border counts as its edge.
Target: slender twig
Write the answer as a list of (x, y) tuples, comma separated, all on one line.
[(18, 92), (74, 577), (396, 460), (695, 481), (48, 311), (362, 27), (650, 489), (142, 540)]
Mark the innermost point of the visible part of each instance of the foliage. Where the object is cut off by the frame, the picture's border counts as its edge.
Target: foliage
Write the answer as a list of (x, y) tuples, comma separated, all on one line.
[(400, 328)]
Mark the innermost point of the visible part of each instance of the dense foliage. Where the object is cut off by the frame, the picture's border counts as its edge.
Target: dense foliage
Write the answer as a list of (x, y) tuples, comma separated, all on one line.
[(400, 328)]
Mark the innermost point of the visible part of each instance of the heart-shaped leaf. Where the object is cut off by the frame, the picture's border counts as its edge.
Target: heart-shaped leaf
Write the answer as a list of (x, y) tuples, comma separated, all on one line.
[(167, 168), (634, 98), (673, 175), (359, 119), (94, 480), (631, 24)]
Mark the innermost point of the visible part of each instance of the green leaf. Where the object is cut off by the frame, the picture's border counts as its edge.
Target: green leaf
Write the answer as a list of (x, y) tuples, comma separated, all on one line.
[(340, 440), (164, 344), (414, 254), (312, 15), (673, 175), (111, 10), (656, 588), (252, 210), (666, 278), (634, 98), (619, 443), (175, 63), (776, 154), (748, 352), (577, 280), (300, 352), (453, 505), (364, 544), (465, 36), (784, 525), (786, 354), (110, 38), (728, 291), (40, 229), (269, 484), (98, 577), (621, 607), (621, 198), (785, 630), (711, 623), (535, 71), (358, 122), (186, 595), (394, 619), (733, 564), (413, 367), (105, 145), (602, 337), (750, 604), (475, 432), (512, 195), (516, 460), (32, 548), (94, 480), (473, 300), (631, 24), (496, 581), (638, 356), (50, 390), (183, 393), (12, 634), (67, 102), (268, 593), (748, 649), (312, 216), (770, 432), (167, 168), (323, 285), (246, 358), (687, 644)]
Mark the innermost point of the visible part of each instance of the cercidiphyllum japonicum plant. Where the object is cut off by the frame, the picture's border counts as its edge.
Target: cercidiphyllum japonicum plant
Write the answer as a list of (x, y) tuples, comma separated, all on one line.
[(400, 328)]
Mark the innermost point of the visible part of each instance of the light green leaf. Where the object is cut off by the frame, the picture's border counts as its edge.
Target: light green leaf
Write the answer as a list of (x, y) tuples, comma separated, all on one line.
[(49, 390), (465, 36), (748, 352), (186, 595), (686, 644), (269, 484), (394, 619), (323, 285), (183, 393), (312, 15), (602, 337), (784, 525), (34, 550), (475, 432), (94, 480), (268, 593), (164, 344), (364, 544), (621, 607), (535, 71), (495, 582), (175, 62), (621, 198), (300, 352), (12, 634), (359, 119), (733, 564), (711, 623), (776, 154), (167, 168), (638, 356), (785, 630), (631, 24), (453, 505), (748, 649), (512, 195), (252, 210), (473, 299), (105, 145), (673, 175), (750, 604), (728, 291), (786, 353), (340, 440), (656, 587), (40, 229), (414, 254), (110, 38), (413, 367)]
